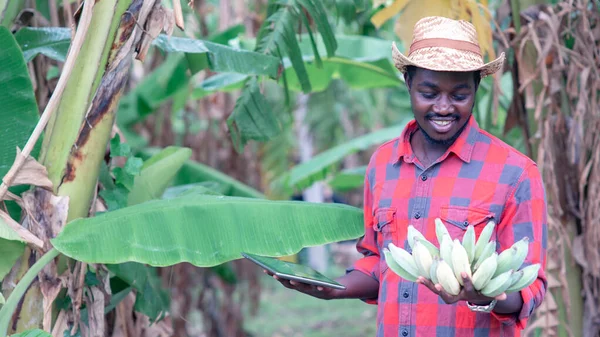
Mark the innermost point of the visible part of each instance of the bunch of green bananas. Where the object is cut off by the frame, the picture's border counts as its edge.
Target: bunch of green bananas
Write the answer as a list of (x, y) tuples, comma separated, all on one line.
[(491, 273)]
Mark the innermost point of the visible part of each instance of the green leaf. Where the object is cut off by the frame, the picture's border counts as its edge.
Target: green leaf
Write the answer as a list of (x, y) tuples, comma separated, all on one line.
[(317, 12), (206, 230), (157, 173), (123, 178), (49, 41), (2, 300), (193, 172), (133, 166), (199, 188), (32, 333), (115, 198), (10, 252), (118, 149), (349, 179), (252, 117), (223, 82), (231, 33), (221, 58), (19, 113), (305, 174), (152, 299), (282, 37), (225, 272)]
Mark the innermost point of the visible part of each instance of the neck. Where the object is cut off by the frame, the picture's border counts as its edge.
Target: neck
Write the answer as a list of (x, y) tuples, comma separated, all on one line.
[(425, 150)]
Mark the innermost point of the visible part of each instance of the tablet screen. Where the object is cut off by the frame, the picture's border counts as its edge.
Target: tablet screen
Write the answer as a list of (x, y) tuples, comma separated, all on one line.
[(292, 270)]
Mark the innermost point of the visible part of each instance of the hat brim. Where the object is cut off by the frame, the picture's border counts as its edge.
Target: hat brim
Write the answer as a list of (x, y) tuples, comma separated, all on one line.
[(446, 59)]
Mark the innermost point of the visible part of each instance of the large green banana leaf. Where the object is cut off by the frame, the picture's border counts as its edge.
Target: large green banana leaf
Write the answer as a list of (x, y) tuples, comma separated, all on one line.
[(320, 166), (348, 179), (19, 115), (206, 230)]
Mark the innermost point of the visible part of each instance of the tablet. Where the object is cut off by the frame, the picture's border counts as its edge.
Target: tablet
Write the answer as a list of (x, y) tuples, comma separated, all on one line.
[(293, 271)]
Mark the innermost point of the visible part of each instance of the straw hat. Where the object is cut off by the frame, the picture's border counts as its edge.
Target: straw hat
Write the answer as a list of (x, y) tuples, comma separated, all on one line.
[(443, 44)]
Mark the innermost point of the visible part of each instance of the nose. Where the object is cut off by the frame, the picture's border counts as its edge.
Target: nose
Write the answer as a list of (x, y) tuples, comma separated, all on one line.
[(443, 106)]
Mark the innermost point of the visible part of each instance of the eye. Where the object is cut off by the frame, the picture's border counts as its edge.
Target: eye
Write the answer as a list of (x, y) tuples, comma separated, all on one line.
[(459, 97), (428, 95)]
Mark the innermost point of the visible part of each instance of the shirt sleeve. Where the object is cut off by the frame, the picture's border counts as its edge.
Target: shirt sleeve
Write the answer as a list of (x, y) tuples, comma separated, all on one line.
[(367, 244), (525, 215)]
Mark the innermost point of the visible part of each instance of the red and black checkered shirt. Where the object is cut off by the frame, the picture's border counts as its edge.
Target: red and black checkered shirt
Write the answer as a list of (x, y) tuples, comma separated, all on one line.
[(479, 178)]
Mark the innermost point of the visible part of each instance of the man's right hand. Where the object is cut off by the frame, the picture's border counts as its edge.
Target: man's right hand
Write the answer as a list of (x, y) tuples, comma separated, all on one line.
[(358, 285)]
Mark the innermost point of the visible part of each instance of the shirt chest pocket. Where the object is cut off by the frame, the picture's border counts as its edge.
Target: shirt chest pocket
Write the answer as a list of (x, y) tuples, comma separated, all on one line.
[(385, 227), (458, 218)]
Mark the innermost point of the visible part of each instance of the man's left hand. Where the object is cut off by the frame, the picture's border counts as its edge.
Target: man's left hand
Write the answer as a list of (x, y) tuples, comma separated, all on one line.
[(467, 292)]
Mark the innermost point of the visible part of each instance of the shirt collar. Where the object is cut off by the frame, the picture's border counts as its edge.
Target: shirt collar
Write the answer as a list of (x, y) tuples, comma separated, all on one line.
[(462, 147)]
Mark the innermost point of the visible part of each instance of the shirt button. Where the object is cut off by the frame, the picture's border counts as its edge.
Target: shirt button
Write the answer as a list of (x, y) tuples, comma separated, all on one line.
[(417, 215), (423, 177), (405, 294), (404, 333)]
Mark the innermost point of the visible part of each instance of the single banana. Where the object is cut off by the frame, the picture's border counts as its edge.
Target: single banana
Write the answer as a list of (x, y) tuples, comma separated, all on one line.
[(446, 278), (468, 242), (446, 249), (396, 268), (440, 230), (498, 285), (460, 261), (484, 238), (516, 277), (489, 249), (433, 270), (403, 259), (484, 274), (412, 235), (522, 248), (530, 274), (505, 260), (422, 258)]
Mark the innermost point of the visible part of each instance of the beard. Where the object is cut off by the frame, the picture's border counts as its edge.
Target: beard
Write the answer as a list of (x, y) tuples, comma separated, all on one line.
[(442, 142)]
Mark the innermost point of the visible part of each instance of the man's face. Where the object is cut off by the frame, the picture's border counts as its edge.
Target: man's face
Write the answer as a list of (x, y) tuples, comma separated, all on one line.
[(442, 103)]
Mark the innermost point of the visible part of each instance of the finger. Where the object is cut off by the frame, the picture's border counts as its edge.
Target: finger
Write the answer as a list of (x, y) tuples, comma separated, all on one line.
[(501, 297), (467, 284)]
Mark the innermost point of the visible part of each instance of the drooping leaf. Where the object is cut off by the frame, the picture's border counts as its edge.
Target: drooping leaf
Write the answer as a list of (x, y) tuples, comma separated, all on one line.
[(318, 167), (317, 12), (19, 113), (152, 299), (252, 117), (194, 172), (157, 173), (32, 333), (206, 230), (348, 179), (282, 38), (49, 41), (219, 57), (198, 188)]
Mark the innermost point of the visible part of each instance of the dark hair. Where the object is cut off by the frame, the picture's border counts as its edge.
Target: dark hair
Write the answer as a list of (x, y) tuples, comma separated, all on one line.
[(411, 70)]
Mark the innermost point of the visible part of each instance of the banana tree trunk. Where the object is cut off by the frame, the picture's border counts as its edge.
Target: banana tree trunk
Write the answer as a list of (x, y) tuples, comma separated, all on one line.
[(78, 133)]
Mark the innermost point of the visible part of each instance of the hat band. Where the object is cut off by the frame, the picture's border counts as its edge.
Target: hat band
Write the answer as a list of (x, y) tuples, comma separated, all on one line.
[(448, 43)]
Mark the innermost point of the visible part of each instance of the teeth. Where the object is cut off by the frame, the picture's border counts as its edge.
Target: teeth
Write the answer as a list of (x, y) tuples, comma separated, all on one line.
[(442, 123)]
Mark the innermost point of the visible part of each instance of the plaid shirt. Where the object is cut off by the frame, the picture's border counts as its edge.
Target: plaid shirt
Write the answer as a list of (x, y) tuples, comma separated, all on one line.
[(477, 179)]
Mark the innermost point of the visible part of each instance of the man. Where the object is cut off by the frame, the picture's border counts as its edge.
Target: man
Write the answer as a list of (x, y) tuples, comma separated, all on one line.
[(444, 166)]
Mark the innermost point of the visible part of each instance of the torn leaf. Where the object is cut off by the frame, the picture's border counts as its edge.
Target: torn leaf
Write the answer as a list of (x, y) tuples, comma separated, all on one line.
[(32, 173)]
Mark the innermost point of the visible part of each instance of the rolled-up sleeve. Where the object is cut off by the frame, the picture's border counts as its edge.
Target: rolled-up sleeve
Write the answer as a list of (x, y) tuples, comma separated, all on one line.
[(525, 216), (367, 244)]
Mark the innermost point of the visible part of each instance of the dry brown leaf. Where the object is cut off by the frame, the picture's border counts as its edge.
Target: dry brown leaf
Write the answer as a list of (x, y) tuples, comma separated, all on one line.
[(25, 235), (95, 308), (178, 14), (32, 173), (46, 214), (61, 325), (153, 26)]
